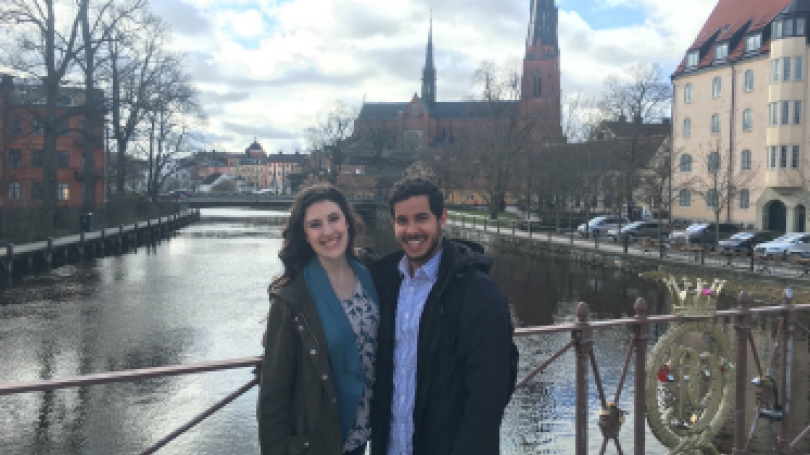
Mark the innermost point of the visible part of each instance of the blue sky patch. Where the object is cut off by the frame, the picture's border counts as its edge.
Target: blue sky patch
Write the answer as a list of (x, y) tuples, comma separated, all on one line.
[(601, 16)]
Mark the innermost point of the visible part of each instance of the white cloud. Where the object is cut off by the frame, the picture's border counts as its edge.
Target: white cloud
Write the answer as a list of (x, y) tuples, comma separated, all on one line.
[(275, 64)]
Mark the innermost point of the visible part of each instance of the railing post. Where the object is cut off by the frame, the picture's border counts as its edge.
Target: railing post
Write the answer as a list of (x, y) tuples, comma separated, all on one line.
[(514, 224), (498, 226), (485, 224), (596, 242), (642, 332), (462, 219), (786, 361), (572, 237), (10, 251), (626, 241), (742, 328), (583, 345)]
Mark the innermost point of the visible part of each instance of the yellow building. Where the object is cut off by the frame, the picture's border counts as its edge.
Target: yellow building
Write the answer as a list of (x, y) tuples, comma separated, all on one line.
[(739, 114)]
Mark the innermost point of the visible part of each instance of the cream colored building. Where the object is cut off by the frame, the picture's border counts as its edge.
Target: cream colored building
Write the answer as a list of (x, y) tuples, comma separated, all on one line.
[(740, 95)]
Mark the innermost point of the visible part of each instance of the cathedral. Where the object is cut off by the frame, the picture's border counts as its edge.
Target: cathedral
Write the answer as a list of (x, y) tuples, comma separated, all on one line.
[(425, 123)]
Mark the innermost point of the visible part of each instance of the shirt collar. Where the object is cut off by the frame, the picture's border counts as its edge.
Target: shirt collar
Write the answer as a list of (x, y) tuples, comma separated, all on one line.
[(430, 269)]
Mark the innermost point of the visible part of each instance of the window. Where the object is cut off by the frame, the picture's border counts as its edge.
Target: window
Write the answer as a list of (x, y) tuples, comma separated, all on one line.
[(785, 112), (721, 51), (783, 152), (772, 157), (538, 84), (63, 192), (800, 26), (36, 158), (63, 159), (692, 59), (795, 157), (799, 69), (744, 204), (748, 120), (787, 28), (713, 164), (716, 87), (748, 83), (686, 163), (712, 199), (64, 126), (687, 93), (14, 159), (797, 112), (775, 73), (745, 160), (776, 30), (684, 198), (37, 127), (14, 191), (687, 127), (15, 125), (36, 191), (773, 114), (786, 69), (753, 42), (715, 123)]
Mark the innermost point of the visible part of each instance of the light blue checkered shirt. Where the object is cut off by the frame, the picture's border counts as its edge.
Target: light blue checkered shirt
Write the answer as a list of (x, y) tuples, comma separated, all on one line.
[(412, 297)]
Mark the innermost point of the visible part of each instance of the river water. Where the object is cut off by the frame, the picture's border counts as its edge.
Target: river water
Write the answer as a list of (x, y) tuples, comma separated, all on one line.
[(201, 297)]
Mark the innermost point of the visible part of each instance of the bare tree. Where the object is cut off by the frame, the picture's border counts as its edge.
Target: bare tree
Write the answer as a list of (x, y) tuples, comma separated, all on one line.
[(641, 94), (335, 126), (47, 48), (493, 145), (720, 184)]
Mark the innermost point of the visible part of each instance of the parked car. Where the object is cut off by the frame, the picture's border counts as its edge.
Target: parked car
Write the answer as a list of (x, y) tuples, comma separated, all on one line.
[(639, 229), (781, 245), (524, 224), (799, 249), (704, 233), (601, 225), (744, 241)]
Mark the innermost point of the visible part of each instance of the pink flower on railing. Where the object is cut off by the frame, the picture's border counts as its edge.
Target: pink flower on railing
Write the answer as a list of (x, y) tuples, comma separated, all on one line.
[(707, 292)]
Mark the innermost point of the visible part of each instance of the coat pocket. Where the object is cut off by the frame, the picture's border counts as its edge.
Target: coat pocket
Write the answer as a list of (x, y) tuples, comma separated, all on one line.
[(299, 445)]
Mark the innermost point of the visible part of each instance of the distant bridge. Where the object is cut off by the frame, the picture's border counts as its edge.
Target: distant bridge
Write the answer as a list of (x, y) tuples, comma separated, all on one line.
[(274, 202)]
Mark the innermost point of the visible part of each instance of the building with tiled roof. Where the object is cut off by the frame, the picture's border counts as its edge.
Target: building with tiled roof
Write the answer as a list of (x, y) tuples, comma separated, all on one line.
[(258, 169), (739, 112)]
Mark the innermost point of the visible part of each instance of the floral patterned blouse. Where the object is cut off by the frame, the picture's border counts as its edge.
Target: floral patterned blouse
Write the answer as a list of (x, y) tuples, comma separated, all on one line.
[(363, 316)]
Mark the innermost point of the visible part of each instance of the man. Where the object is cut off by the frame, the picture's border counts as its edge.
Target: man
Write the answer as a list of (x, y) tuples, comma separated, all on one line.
[(446, 364)]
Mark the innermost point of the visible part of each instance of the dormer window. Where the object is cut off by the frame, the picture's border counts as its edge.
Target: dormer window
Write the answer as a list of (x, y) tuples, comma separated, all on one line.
[(777, 29), (721, 51), (753, 42), (788, 27), (800, 26), (691, 59)]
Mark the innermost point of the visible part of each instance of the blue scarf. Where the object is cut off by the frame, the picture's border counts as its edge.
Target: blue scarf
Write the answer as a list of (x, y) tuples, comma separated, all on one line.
[(344, 358)]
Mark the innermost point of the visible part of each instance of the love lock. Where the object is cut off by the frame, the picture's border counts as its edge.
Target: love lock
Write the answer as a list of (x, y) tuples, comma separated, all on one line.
[(762, 385), (611, 419)]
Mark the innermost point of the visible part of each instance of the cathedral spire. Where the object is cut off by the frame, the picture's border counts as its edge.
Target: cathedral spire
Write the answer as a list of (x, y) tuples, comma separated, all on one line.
[(543, 24), (429, 71)]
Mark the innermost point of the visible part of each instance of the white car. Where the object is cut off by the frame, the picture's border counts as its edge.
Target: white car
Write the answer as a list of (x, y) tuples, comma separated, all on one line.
[(781, 245), (601, 225)]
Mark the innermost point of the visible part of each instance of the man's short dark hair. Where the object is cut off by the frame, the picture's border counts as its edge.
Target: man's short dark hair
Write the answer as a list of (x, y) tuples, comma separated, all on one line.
[(415, 186)]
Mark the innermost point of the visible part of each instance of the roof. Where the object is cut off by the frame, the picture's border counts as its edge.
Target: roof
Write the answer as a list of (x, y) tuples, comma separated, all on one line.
[(624, 129), (254, 146), (731, 20), (381, 110), (211, 178), (286, 158), (440, 109)]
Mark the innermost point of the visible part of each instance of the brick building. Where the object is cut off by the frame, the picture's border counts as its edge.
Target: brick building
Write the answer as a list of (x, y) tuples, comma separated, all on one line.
[(427, 124), (21, 141)]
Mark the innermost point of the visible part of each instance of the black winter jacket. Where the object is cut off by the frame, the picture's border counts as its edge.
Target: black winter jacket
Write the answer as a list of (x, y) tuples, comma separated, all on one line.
[(464, 374)]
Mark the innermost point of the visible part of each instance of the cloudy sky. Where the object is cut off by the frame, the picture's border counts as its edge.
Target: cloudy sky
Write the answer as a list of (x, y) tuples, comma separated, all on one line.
[(268, 68)]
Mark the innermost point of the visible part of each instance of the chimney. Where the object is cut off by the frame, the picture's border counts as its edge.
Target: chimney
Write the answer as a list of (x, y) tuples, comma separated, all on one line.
[(622, 118), (279, 152), (637, 119)]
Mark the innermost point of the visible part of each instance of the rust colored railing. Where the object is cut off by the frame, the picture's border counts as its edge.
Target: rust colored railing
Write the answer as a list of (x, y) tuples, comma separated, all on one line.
[(581, 342)]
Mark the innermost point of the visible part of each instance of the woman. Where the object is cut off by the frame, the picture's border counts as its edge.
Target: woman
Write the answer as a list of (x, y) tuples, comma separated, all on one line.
[(318, 370)]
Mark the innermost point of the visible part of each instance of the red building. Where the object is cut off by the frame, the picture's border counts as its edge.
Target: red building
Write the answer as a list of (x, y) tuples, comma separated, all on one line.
[(424, 122), (21, 143)]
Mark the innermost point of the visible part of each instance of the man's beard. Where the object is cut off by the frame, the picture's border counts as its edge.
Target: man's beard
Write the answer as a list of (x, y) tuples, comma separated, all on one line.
[(434, 246)]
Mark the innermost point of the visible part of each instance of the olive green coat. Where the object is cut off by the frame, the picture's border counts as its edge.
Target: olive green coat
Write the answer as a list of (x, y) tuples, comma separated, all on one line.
[(297, 408)]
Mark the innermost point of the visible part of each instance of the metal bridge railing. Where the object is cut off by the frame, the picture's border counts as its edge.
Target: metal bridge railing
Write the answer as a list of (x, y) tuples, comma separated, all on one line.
[(610, 418)]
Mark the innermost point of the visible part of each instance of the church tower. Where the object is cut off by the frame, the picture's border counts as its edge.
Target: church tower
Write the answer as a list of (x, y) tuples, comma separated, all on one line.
[(541, 64), (429, 72)]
